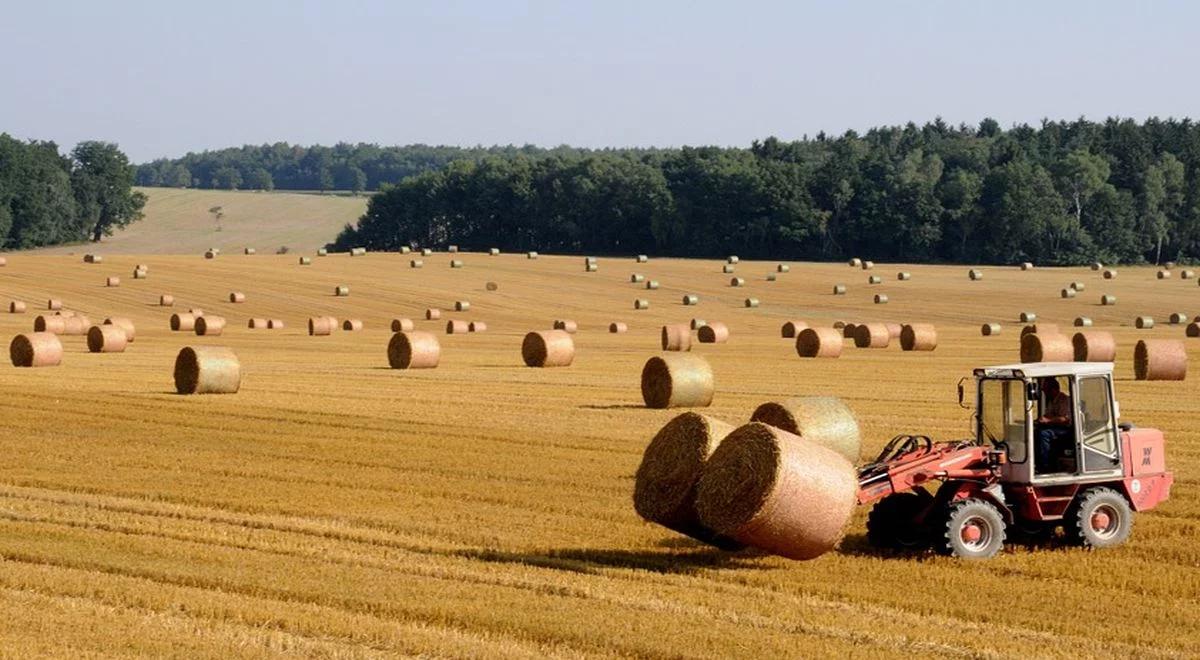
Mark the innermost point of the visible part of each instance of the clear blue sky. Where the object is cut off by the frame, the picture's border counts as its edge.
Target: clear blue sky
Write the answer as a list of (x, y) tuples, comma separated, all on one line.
[(162, 78)]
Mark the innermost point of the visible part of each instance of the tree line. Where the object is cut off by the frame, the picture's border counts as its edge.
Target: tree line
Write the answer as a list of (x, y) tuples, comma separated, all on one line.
[(48, 198), (1117, 191)]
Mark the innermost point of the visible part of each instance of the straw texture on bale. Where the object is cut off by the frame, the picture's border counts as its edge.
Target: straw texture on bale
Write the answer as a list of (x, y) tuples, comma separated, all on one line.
[(881, 299), (691, 299), (425, 252), (1046, 347), (1160, 359), (727, 269), (352, 325), (209, 326), (874, 279), (868, 265), (495, 252), (872, 335), (790, 329), (274, 324), (736, 281), (1110, 274), (548, 348), (590, 260), (975, 274), (751, 302), (1079, 286), (1027, 265), (461, 305), (641, 258), (476, 326), (139, 274), (1193, 329), (112, 281), (126, 326), (903, 276), (53, 304), (305, 261), (819, 343), (1143, 322), (713, 333), (651, 284), (106, 339), (321, 252), (454, 327), (250, 251), (237, 297), (403, 325), (676, 337), (918, 337), (321, 326), (825, 420), (776, 491), (183, 322), (492, 286), (696, 324), (166, 300), (433, 314), (1096, 265), (76, 325), (839, 289), (341, 291), (416, 263), (207, 370), (1176, 318), (1068, 293), (641, 303), (989, 329), (1187, 274), (456, 263), (637, 278), (1094, 346), (1108, 300), (677, 380), (782, 268), (1040, 328), (256, 324), (1028, 317), (1083, 322), (894, 330), (531, 255), (37, 349), (1164, 274), (618, 327), (855, 262), (452, 249), (92, 259), (664, 490), (414, 350), (732, 259), (16, 307)]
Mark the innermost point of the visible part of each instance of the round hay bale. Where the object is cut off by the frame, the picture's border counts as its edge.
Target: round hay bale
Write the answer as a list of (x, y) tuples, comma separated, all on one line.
[(16, 307), (727, 269), (256, 324), (1193, 329), (93, 259), (641, 303), (590, 260), (321, 252), (207, 370), (651, 284), (321, 326), (713, 333), (139, 274), (1068, 293), (433, 314), (1094, 346), (732, 259), (790, 329), (76, 325), (1143, 322), (341, 291), (426, 252), (818, 343), (403, 325), (548, 348), (1083, 322), (1043, 328), (825, 420), (637, 278), (1177, 317), (1110, 274), (736, 281), (1027, 265), (112, 281), (54, 305), (903, 276), (352, 325), (456, 263), (250, 251), (1164, 274), (494, 252), (126, 326), (183, 322), (416, 263), (166, 300), (566, 325), (452, 249), (881, 299), (839, 289), (838, 325), (1096, 265), (414, 350), (1187, 274), (782, 268), (209, 326), (237, 297), (975, 274), (1160, 359), (1078, 286), (989, 329), (454, 327), (918, 337), (676, 337), (1046, 347), (210, 254), (751, 302), (776, 491), (476, 326), (664, 490), (874, 279), (641, 258), (770, 277), (868, 265), (855, 262), (1028, 317), (872, 335), (492, 286), (37, 349), (1108, 300), (305, 261), (617, 328), (677, 381), (106, 339), (531, 255), (691, 299), (894, 330), (461, 306), (848, 330), (274, 324), (696, 324)]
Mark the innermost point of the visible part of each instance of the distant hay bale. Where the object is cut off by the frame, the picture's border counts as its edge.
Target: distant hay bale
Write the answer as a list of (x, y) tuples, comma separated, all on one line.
[(975, 274), (894, 330), (250, 251), (426, 252), (918, 337), (1068, 293), (872, 335), (591, 268), (697, 323), (770, 277), (321, 252), (433, 314), (476, 326), (207, 370), (210, 254), (776, 491), (713, 333), (989, 329), (651, 285), (455, 327), (1094, 346), (848, 330), (1108, 300), (139, 274), (112, 281), (641, 303), (868, 265), (566, 325), (1096, 265), (750, 302), (617, 328), (590, 260), (494, 252), (1143, 322), (37, 349), (1160, 359), (881, 299), (1040, 347), (256, 324), (403, 325), (93, 259), (1193, 329), (732, 259), (125, 324), (414, 350), (166, 300), (1028, 317), (1041, 328), (1078, 286), (404, 249), (637, 278), (855, 262), (819, 343), (183, 322), (728, 268), (352, 325), (106, 339), (274, 324), (782, 268), (492, 286), (341, 291), (874, 279), (237, 297), (736, 281), (1177, 318), (676, 337), (790, 329), (358, 251), (1110, 274), (456, 263), (839, 289), (416, 263), (531, 255), (453, 249), (321, 326), (462, 305), (209, 326), (1187, 274), (71, 325), (664, 489), (680, 380), (305, 261), (548, 348), (1083, 322), (54, 304), (903, 276), (1027, 265), (691, 299), (16, 307), (825, 420), (641, 258), (1164, 274)]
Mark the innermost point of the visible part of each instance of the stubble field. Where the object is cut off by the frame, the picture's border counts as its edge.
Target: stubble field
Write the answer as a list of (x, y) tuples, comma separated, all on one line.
[(335, 507)]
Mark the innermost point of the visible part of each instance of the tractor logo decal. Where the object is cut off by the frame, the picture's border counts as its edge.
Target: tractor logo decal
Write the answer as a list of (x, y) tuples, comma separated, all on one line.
[(1146, 455), (1135, 486)]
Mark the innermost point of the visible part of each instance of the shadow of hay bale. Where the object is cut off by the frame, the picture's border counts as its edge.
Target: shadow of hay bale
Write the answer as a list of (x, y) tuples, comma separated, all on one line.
[(592, 561)]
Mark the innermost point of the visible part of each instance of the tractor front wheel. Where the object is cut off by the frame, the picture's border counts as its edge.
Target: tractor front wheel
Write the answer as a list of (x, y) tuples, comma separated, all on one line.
[(892, 523), (974, 529), (1100, 518)]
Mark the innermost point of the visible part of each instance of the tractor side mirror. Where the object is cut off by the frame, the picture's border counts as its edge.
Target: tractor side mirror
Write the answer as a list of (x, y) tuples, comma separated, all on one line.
[(962, 392)]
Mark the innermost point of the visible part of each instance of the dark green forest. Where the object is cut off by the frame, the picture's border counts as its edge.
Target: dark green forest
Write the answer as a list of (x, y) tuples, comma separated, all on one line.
[(1118, 191), (48, 198)]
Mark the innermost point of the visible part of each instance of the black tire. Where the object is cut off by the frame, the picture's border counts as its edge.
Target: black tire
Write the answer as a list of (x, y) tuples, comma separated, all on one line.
[(1099, 518), (974, 529), (891, 526)]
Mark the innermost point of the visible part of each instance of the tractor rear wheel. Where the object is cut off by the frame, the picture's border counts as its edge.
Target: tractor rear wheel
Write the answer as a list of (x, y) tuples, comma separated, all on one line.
[(1099, 518), (974, 529), (892, 521)]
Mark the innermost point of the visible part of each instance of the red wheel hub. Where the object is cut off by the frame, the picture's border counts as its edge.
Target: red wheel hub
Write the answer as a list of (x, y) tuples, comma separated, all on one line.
[(971, 533), (1100, 521)]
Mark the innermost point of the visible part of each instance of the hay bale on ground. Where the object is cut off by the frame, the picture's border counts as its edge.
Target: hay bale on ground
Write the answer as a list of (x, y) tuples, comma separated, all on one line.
[(548, 348), (894, 330), (531, 255), (139, 274), (641, 258), (664, 490), (492, 286), (1078, 286), (454, 327), (874, 279), (256, 324), (868, 265), (126, 326), (1028, 317), (207, 370), (16, 307), (1177, 318), (1164, 274), (566, 325), (237, 297), (691, 299), (210, 254), (1043, 347), (250, 251), (1096, 265), (1083, 322), (452, 249), (321, 252), (770, 277), (776, 491), (1110, 274), (1107, 300), (839, 289), (1026, 265), (476, 326), (872, 335), (713, 333), (727, 269), (93, 259), (414, 350), (819, 343), (1094, 346), (433, 314), (403, 325), (825, 420), (918, 337), (112, 281), (782, 268), (321, 326), (975, 274), (462, 306), (1041, 328), (790, 329), (166, 300), (651, 285), (737, 281), (676, 337), (903, 276), (106, 339), (1143, 322), (677, 381), (637, 278), (456, 263), (416, 263), (352, 325), (76, 325), (274, 324), (305, 261), (848, 330), (732, 259), (617, 328), (989, 329), (54, 305), (209, 326), (881, 299), (1160, 359), (750, 303), (1193, 329), (855, 262), (1068, 293), (37, 349), (494, 252), (641, 303), (341, 291), (183, 322), (696, 324), (426, 252)]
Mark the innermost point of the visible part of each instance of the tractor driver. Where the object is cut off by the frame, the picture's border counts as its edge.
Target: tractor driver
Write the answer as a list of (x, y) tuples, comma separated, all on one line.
[(1055, 422)]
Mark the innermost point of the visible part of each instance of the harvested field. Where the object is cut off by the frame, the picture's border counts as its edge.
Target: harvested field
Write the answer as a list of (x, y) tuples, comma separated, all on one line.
[(337, 507)]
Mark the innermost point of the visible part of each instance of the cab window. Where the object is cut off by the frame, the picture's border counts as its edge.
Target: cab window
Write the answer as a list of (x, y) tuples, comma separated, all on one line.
[(1002, 416), (1095, 416)]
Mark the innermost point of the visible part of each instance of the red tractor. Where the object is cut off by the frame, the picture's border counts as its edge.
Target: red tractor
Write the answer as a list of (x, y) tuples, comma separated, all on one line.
[(1048, 451)]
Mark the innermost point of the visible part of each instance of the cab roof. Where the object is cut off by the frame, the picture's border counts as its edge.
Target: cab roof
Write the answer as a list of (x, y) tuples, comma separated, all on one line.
[(1046, 369)]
